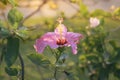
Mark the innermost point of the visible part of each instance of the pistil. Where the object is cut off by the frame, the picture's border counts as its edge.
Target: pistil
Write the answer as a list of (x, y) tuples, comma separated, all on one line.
[(61, 41)]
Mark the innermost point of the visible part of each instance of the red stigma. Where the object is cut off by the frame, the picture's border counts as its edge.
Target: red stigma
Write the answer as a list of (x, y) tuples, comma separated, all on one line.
[(61, 41)]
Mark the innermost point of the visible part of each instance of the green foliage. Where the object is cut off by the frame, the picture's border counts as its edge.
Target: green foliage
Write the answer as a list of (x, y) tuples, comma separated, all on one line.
[(102, 21), (117, 12), (83, 9), (39, 60), (11, 71), (96, 57), (22, 32), (73, 1), (113, 44), (1, 24), (12, 50), (3, 31), (99, 12), (4, 1), (15, 17), (13, 2)]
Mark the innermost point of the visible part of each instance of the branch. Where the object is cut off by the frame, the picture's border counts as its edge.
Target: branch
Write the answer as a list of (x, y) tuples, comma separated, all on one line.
[(68, 2), (34, 12), (55, 73), (3, 51), (22, 66), (2, 55)]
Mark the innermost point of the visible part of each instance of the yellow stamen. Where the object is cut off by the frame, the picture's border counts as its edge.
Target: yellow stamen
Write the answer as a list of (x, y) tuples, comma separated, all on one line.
[(60, 28), (60, 20)]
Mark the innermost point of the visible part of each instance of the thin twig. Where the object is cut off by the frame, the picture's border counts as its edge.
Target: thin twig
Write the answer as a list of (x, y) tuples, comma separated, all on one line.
[(34, 12), (22, 66), (113, 30), (55, 73), (2, 54), (3, 51), (68, 2)]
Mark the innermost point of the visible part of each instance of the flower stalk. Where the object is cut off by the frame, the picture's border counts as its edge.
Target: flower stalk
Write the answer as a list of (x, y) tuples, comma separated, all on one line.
[(58, 54)]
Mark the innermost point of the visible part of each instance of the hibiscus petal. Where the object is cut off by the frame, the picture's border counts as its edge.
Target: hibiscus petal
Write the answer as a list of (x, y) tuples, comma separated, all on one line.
[(73, 37), (74, 48), (39, 45), (47, 39)]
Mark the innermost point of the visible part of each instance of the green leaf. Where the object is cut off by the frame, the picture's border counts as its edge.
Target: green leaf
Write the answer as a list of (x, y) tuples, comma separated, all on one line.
[(100, 12), (35, 58), (103, 74), (45, 63), (4, 1), (11, 71), (117, 73), (22, 33), (12, 50), (13, 2), (92, 57), (102, 21), (1, 24), (15, 17), (39, 59), (73, 1), (83, 9), (117, 57), (4, 33), (113, 44), (117, 12)]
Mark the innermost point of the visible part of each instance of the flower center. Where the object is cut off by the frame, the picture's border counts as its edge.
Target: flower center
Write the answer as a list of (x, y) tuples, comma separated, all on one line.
[(61, 41)]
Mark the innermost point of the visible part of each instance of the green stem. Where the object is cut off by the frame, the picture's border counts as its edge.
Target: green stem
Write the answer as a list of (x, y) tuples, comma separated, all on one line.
[(55, 73), (57, 55), (22, 66), (56, 68), (3, 51), (2, 54)]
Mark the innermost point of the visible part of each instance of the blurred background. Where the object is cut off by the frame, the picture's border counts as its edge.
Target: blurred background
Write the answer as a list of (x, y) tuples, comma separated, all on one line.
[(40, 16), (54, 7)]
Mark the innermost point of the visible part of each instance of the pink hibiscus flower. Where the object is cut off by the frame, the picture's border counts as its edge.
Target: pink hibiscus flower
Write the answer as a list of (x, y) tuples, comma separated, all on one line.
[(59, 38)]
